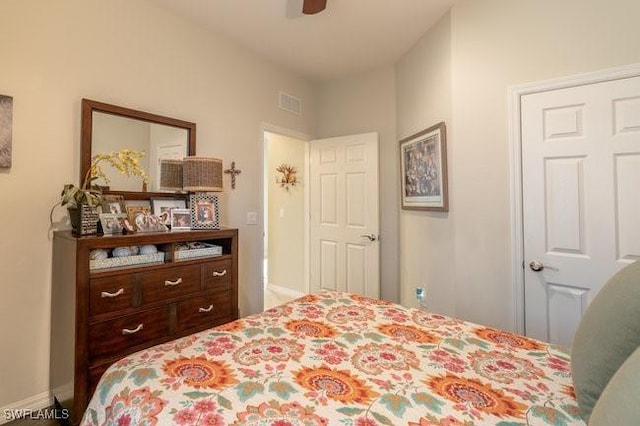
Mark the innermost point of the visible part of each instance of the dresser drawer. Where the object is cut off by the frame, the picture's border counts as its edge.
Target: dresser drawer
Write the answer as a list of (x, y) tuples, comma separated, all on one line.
[(167, 283), (108, 338), (217, 274), (111, 294), (204, 311)]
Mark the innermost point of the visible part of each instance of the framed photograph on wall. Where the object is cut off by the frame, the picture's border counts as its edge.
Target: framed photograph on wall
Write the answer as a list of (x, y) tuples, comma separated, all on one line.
[(204, 211), (423, 168), (162, 207)]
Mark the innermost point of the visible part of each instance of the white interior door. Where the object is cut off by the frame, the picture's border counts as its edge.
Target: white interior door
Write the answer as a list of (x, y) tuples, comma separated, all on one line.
[(344, 223), (581, 198)]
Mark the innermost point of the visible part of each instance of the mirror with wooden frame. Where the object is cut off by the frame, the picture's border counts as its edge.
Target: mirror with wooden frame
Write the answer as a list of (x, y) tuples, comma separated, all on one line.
[(111, 128)]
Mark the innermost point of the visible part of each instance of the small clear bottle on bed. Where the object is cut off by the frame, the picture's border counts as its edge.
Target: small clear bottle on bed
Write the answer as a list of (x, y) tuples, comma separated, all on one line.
[(420, 297)]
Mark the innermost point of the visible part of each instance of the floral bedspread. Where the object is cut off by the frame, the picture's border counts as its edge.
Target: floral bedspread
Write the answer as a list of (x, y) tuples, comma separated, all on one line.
[(337, 358)]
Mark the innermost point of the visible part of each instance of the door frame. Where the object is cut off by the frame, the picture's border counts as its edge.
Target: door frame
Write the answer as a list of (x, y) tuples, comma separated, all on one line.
[(515, 93), (272, 128)]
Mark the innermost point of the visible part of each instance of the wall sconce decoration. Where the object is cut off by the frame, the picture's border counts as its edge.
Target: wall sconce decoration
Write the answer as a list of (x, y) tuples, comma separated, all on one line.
[(289, 176)]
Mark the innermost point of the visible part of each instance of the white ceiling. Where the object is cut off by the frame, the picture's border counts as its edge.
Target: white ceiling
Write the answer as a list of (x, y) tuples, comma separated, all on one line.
[(350, 36)]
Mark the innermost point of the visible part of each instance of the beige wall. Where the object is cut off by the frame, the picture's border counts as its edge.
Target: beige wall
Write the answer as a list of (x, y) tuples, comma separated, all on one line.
[(423, 81), (361, 104), (286, 227), (460, 72), (134, 54), (497, 44)]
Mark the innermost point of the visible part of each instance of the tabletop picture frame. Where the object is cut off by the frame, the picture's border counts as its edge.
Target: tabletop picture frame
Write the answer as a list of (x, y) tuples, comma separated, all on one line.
[(180, 219), (133, 210), (423, 167), (112, 223), (205, 211), (113, 204), (162, 207), (147, 222)]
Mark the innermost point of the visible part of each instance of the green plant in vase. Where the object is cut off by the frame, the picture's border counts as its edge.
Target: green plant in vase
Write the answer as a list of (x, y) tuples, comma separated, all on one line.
[(83, 200)]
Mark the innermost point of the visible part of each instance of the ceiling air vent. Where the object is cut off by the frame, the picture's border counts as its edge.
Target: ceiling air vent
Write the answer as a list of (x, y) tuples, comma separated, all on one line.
[(290, 103)]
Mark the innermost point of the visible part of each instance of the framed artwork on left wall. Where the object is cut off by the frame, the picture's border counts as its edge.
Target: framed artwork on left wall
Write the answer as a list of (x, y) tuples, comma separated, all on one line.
[(6, 120)]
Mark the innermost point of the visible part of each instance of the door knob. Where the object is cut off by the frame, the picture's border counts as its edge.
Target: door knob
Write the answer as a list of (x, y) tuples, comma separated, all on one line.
[(370, 237), (537, 266)]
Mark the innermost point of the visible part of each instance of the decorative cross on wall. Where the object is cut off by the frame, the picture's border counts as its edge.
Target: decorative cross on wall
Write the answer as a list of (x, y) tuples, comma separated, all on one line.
[(233, 172)]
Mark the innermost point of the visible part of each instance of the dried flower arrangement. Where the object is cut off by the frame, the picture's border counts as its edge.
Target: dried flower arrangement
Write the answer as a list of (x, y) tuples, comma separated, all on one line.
[(288, 178)]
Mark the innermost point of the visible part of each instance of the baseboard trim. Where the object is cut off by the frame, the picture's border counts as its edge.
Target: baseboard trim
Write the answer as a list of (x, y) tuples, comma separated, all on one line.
[(36, 402), (63, 393), (285, 290)]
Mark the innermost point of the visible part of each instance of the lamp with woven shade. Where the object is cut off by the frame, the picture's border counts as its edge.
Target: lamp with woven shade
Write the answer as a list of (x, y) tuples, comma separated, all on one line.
[(171, 175), (202, 174)]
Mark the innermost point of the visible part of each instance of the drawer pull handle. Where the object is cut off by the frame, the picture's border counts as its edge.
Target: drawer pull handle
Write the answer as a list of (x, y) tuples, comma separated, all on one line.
[(219, 274), (209, 309), (172, 283), (116, 294), (126, 331)]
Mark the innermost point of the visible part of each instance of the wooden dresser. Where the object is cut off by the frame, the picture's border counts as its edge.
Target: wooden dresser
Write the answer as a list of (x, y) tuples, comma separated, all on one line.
[(101, 315)]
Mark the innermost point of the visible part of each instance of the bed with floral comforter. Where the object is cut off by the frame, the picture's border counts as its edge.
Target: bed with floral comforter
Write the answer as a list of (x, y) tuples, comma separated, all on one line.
[(337, 358)]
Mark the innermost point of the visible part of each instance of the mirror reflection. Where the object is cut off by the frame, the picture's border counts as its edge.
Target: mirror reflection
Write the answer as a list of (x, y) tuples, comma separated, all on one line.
[(159, 142), (112, 128)]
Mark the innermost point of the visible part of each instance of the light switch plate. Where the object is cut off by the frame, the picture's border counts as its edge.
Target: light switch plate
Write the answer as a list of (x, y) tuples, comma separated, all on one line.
[(252, 218)]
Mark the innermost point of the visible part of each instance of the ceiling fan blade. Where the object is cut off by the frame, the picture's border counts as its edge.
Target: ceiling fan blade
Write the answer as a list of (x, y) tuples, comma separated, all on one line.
[(310, 7)]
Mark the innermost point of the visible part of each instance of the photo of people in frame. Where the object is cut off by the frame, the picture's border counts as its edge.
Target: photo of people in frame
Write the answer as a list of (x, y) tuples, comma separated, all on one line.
[(180, 219), (135, 210), (113, 204), (205, 212), (115, 207), (111, 223), (162, 207), (146, 222)]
